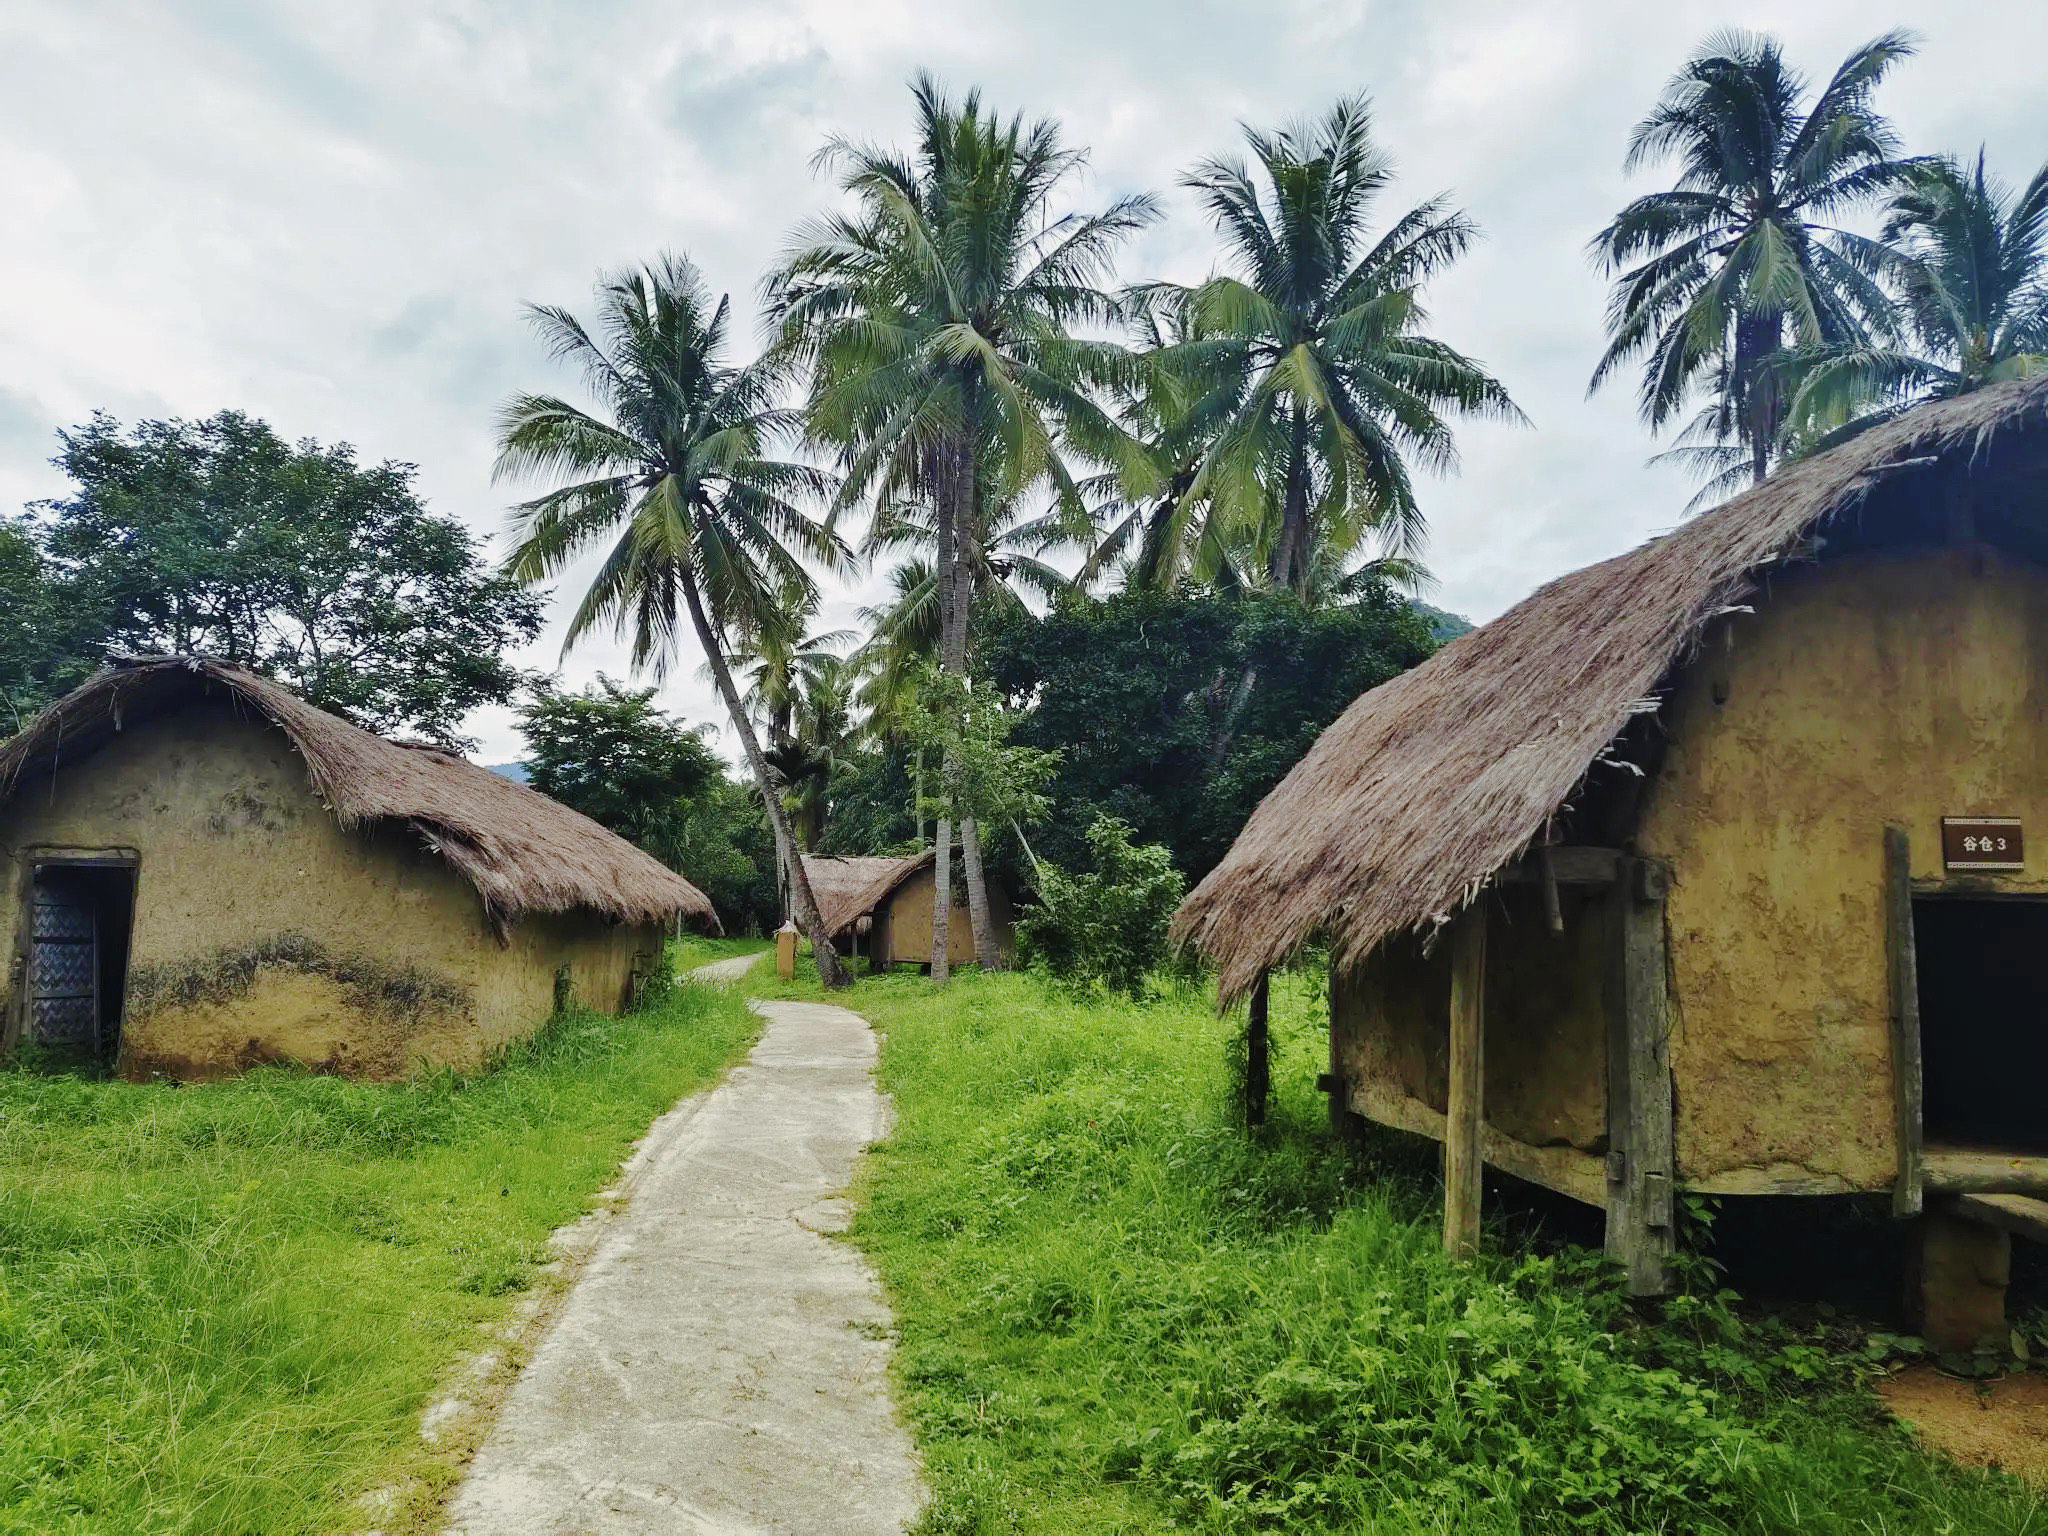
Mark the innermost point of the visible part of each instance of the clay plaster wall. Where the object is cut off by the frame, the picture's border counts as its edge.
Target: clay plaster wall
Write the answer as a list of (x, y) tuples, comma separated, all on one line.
[(1881, 688), (1545, 1023), (263, 931), (517, 982), (903, 923)]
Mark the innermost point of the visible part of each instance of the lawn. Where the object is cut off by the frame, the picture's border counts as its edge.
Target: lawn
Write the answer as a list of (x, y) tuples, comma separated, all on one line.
[(1119, 1315), (223, 1307)]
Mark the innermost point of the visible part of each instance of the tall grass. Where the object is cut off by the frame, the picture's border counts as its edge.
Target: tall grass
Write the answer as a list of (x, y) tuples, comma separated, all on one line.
[(222, 1307), (1120, 1314)]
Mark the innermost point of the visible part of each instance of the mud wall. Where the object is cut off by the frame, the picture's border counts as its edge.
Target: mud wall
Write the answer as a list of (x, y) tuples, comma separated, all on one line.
[(263, 931), (516, 986), (1882, 688), (1545, 1022), (903, 923)]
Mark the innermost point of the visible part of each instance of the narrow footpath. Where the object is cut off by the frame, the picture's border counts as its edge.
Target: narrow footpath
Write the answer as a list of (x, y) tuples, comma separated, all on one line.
[(721, 1364)]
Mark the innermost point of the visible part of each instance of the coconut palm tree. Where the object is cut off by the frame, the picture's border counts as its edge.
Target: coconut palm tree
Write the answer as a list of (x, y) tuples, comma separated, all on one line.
[(672, 474), (1306, 365), (1969, 260), (1738, 261), (935, 322)]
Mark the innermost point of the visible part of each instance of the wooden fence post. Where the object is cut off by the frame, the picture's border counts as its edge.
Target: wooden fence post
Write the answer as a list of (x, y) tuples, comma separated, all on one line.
[(1258, 1072), (1907, 1196), (1463, 1168), (1641, 1158)]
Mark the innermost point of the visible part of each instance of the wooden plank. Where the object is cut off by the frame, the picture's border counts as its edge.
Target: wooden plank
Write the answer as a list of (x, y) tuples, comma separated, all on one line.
[(1976, 1171), (2017, 1214), (1463, 1160), (1257, 1057), (1553, 909), (1641, 1231), (1569, 1171), (1907, 1188), (1569, 866)]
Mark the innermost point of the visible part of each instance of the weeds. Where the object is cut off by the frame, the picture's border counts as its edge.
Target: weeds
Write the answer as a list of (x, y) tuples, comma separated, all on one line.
[(1117, 1313), (223, 1306)]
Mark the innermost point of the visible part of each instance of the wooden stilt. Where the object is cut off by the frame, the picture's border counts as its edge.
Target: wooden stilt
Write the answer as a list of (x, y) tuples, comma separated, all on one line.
[(1641, 1159), (1467, 1108), (1908, 1195), (1258, 1072)]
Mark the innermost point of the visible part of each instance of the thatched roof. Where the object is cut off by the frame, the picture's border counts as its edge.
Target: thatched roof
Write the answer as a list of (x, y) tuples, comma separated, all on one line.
[(849, 888), (1429, 784), (523, 852)]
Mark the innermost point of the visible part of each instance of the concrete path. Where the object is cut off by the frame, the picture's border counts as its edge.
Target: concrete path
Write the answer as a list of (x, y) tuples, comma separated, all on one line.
[(720, 1365)]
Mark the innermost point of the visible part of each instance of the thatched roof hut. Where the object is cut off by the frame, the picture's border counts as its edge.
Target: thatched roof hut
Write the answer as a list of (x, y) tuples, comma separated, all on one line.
[(850, 886), (524, 853), (1708, 829), (1430, 784), (212, 873), (884, 906)]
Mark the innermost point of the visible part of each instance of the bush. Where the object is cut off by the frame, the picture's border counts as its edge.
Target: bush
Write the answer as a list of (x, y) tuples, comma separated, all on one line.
[(1106, 929)]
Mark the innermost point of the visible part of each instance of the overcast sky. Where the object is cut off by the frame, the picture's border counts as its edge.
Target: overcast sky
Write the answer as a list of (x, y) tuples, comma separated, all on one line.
[(329, 214)]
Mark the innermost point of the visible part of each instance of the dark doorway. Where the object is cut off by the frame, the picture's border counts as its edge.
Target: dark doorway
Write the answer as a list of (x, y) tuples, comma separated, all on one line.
[(1983, 1021), (78, 956)]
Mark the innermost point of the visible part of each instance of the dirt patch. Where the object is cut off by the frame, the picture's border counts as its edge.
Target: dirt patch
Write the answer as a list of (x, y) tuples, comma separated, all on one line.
[(2001, 1425)]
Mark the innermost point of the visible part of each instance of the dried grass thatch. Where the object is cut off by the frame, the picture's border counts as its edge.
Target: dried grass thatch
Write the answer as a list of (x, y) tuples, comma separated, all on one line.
[(1429, 784), (523, 852), (848, 888)]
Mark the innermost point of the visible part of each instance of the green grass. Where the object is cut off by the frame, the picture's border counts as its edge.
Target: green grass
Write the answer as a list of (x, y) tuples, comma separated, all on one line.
[(1119, 1315), (694, 949), (223, 1307)]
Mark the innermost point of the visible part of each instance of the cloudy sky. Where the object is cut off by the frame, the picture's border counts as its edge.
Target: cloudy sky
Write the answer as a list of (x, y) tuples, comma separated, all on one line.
[(329, 215)]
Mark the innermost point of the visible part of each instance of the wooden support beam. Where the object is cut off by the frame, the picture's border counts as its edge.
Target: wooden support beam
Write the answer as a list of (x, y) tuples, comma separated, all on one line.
[(1568, 865), (1463, 1167), (1641, 1160), (1258, 1074), (1908, 1195), (1972, 1171), (2017, 1214), (1553, 908)]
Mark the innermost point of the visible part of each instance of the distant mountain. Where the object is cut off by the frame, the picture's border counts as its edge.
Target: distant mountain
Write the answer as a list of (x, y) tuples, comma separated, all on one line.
[(1443, 626), (517, 773)]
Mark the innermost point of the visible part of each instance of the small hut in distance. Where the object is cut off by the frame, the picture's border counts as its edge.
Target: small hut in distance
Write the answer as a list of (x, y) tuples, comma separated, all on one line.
[(210, 874), (1705, 868), (882, 907)]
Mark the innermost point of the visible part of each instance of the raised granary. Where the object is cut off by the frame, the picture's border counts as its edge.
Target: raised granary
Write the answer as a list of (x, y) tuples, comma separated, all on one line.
[(882, 907), (210, 873), (1736, 826)]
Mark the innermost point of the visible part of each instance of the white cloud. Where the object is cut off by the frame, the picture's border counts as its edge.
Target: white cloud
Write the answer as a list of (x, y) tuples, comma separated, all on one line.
[(329, 214)]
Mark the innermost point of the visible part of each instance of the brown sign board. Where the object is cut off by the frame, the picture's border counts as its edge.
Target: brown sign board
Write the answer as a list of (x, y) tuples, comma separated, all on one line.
[(1982, 842)]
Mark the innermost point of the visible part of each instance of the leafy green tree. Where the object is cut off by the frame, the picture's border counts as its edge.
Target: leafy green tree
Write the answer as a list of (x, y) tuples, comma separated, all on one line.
[(219, 537), (936, 322), (1105, 928), (1740, 259), (1969, 260), (608, 752), (1305, 367), (43, 650), (703, 527), (1134, 692)]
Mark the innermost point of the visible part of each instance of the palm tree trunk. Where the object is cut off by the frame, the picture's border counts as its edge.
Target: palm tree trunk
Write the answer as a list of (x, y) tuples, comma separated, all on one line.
[(987, 954), (946, 510), (1289, 564), (830, 970)]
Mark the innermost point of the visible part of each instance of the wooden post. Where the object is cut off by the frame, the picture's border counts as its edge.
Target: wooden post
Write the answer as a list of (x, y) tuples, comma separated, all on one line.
[(1467, 1109), (785, 951), (1641, 1161), (1907, 1188), (1258, 1075)]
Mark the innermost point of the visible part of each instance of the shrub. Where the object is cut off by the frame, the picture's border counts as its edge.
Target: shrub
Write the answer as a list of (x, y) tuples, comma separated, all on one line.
[(1105, 929)]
